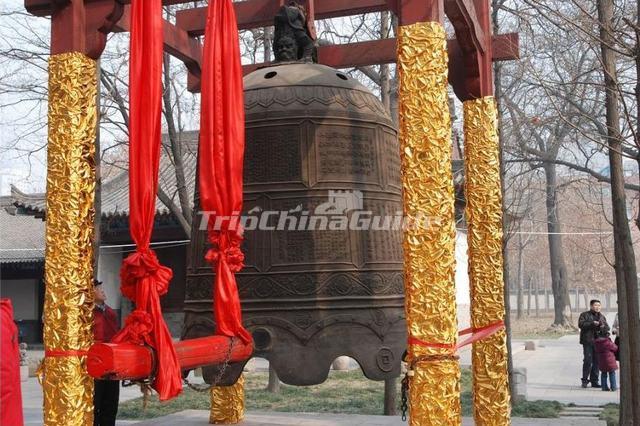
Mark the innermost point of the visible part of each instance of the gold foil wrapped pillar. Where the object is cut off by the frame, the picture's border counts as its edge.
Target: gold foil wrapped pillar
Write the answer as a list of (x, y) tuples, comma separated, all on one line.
[(484, 219), (68, 315), (227, 403), (429, 251)]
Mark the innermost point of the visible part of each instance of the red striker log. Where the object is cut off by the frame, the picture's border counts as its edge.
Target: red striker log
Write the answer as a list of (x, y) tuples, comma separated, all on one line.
[(125, 361)]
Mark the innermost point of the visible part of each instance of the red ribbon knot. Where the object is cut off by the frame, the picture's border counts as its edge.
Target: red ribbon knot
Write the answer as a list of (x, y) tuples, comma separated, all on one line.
[(137, 329), (225, 247), (143, 264)]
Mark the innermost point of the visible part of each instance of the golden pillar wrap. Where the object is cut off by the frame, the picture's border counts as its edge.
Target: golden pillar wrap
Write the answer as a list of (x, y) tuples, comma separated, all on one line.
[(68, 306), (484, 218), (429, 251), (227, 403)]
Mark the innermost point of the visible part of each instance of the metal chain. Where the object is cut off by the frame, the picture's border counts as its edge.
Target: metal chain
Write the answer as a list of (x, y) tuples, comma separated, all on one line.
[(404, 405), (206, 388), (145, 388)]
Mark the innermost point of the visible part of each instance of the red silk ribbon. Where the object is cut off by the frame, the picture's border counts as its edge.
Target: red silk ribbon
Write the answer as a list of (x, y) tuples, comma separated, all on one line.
[(143, 279), (220, 161), (478, 333)]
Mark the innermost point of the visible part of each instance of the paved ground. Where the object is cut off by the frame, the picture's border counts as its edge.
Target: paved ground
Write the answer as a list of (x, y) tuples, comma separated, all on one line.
[(201, 418), (553, 373), (32, 399)]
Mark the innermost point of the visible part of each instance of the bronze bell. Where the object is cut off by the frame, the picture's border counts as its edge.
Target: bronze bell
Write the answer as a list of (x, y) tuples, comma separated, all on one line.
[(318, 145)]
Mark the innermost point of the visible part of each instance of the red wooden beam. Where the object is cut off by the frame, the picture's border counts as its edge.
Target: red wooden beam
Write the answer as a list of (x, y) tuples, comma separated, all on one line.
[(125, 361), (463, 17), (176, 42), (68, 29), (385, 52), (46, 7), (260, 13), (412, 11)]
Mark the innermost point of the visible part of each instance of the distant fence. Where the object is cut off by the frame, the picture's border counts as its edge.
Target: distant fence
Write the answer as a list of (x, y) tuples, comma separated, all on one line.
[(541, 300)]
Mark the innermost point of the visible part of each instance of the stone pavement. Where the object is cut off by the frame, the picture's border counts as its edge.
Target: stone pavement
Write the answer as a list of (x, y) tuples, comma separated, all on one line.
[(554, 370), (553, 373), (32, 399), (201, 418)]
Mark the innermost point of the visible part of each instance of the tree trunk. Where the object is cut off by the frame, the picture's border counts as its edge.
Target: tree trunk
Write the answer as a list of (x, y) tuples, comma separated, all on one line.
[(497, 68), (385, 95), (520, 296), (626, 274), (267, 40), (585, 296), (559, 284), (274, 382), (97, 220), (529, 296), (546, 297), (176, 152), (507, 319), (393, 82), (536, 286), (626, 392)]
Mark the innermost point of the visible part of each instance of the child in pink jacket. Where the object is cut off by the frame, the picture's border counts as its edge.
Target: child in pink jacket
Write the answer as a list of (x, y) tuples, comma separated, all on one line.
[(606, 356)]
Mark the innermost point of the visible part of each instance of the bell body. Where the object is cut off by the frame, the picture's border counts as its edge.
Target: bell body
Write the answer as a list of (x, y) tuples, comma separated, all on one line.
[(323, 237)]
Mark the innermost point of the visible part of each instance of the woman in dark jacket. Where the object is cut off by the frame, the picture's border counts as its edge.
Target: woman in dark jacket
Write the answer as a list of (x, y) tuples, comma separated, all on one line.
[(606, 355)]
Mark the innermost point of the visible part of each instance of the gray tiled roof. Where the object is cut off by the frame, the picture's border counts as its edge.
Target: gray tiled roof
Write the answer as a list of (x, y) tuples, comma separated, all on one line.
[(21, 236), (115, 191)]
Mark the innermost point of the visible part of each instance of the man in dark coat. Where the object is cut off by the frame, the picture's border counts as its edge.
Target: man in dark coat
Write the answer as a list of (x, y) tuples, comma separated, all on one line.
[(106, 392), (591, 323)]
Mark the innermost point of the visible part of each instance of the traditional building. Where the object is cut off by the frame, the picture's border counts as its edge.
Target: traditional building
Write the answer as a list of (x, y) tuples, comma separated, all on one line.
[(22, 243), (22, 267)]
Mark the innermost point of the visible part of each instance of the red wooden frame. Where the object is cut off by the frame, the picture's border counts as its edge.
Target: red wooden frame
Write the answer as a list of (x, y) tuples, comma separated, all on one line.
[(82, 25)]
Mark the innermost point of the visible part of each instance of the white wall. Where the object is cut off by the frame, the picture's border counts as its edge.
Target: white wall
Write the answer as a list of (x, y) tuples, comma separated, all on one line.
[(24, 297), (109, 273), (463, 295)]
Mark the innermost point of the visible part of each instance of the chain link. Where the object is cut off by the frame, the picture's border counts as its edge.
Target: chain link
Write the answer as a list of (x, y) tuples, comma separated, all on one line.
[(404, 405), (216, 380)]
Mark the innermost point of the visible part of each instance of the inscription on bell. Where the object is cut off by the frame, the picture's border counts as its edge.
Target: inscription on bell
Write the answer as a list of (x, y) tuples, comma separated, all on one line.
[(346, 151), (274, 155)]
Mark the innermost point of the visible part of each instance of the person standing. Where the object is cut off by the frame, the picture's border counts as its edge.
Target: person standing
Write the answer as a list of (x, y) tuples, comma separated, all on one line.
[(606, 355), (106, 393), (591, 323), (10, 391)]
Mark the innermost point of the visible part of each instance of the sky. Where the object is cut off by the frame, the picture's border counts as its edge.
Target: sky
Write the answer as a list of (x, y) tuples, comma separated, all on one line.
[(22, 121)]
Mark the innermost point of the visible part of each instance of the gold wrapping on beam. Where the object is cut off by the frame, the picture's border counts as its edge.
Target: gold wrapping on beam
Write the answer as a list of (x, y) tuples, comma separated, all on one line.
[(68, 315), (227, 403), (429, 252), (484, 218)]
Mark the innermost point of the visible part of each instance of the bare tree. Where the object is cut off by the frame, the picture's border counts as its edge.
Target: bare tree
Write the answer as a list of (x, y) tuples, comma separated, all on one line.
[(603, 118), (626, 273)]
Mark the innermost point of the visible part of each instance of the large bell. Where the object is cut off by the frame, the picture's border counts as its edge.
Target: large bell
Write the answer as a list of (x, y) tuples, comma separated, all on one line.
[(318, 144)]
